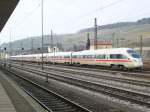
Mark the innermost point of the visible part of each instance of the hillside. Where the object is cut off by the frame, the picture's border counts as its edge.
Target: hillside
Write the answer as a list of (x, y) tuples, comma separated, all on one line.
[(127, 33)]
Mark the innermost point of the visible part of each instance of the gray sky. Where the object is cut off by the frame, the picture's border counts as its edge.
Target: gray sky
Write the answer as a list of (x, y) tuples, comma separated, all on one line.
[(69, 16)]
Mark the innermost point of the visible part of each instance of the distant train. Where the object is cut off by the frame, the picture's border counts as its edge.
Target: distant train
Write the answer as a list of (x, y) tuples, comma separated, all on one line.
[(124, 58)]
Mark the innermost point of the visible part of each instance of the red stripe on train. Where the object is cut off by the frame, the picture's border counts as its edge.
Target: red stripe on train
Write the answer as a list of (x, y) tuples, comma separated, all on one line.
[(114, 60)]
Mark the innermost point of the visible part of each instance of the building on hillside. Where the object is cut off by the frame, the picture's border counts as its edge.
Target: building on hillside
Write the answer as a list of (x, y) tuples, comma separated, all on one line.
[(101, 44), (54, 49), (4, 55)]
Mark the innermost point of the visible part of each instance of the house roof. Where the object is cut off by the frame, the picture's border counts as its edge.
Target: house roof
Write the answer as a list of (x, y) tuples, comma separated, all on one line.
[(102, 42)]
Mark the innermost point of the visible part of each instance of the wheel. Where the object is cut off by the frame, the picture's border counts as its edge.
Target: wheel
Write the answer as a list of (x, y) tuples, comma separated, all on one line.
[(121, 67), (114, 66)]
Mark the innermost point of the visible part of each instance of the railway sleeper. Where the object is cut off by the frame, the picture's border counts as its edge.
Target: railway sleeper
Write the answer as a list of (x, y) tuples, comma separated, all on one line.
[(65, 110), (54, 105)]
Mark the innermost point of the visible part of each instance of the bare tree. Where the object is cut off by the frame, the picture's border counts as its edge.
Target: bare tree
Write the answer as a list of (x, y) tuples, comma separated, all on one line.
[(88, 42)]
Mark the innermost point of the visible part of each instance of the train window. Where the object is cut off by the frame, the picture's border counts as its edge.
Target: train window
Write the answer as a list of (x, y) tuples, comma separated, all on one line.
[(113, 56), (101, 56), (89, 56), (117, 56), (93, 56), (131, 51), (66, 56), (74, 56), (98, 56), (135, 55), (79, 56), (124, 57), (85, 56)]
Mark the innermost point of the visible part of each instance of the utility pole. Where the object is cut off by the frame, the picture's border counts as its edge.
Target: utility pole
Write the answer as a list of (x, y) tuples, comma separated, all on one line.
[(5, 57), (95, 34), (42, 31), (32, 45), (10, 48), (54, 55), (113, 37), (117, 42), (10, 42), (52, 40), (141, 45), (22, 53)]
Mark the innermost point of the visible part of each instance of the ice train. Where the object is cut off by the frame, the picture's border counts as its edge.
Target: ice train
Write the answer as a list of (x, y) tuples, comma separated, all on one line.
[(124, 58)]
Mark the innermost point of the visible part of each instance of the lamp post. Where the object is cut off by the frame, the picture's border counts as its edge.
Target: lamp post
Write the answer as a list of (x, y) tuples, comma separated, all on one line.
[(22, 56), (54, 56), (42, 30), (5, 56), (38, 55)]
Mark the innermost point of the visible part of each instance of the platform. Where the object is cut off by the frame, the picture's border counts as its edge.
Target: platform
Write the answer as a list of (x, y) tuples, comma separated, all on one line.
[(5, 102), (14, 99)]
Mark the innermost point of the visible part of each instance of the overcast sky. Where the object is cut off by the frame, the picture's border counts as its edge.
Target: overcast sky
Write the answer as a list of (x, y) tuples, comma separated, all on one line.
[(69, 16)]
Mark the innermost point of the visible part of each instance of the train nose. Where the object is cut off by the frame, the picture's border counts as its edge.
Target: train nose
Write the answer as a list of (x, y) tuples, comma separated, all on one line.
[(138, 63)]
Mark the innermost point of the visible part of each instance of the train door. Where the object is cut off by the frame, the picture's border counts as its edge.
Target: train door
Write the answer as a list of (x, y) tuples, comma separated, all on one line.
[(71, 58), (108, 63)]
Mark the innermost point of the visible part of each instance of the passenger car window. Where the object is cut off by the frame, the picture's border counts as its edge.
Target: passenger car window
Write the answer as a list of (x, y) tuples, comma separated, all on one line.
[(113, 56), (74, 56), (117, 56), (101, 56)]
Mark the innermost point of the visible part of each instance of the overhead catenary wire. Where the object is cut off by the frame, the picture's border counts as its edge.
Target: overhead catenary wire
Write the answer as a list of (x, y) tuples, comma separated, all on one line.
[(101, 8), (93, 11), (104, 7), (28, 15)]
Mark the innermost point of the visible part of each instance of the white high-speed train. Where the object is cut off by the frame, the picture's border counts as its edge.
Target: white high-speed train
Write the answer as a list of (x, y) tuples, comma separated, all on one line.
[(118, 57)]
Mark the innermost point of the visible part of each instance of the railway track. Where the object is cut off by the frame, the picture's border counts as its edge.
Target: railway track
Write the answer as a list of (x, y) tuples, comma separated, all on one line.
[(123, 94), (106, 69), (144, 72), (96, 75), (51, 101)]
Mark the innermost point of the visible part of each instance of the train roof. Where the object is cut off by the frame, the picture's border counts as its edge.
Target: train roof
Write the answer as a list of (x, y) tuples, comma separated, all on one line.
[(59, 54), (85, 52), (103, 51)]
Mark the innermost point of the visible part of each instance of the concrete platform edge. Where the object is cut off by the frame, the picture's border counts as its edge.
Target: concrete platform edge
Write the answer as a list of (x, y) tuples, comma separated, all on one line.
[(30, 100)]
